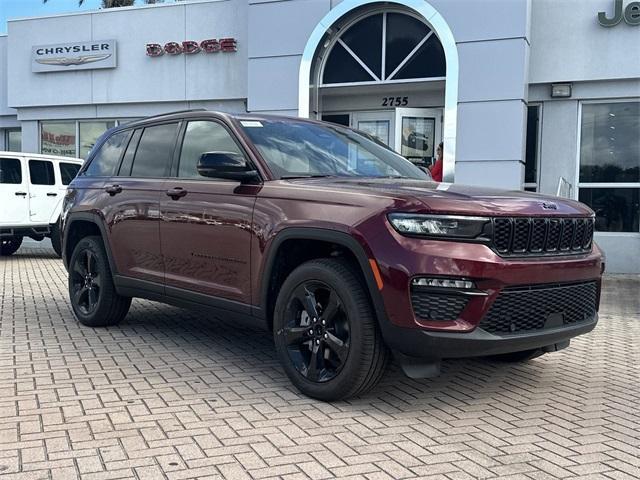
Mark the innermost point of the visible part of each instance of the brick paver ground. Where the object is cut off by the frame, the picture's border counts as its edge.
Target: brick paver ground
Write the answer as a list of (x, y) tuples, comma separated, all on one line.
[(174, 394)]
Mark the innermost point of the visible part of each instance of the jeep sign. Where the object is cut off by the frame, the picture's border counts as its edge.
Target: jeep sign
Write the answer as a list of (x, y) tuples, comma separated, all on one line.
[(64, 57), (630, 14)]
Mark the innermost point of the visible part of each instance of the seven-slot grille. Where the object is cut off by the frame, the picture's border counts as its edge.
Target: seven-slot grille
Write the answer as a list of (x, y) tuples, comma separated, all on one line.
[(535, 307), (524, 236)]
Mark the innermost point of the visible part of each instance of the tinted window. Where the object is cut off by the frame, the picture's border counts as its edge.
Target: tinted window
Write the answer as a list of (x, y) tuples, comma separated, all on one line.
[(340, 119), (106, 160), (10, 171), (404, 33), (41, 172), (610, 142), (617, 209), (153, 156), (68, 172), (298, 148), (127, 160), (365, 40), (90, 132), (531, 159), (199, 138)]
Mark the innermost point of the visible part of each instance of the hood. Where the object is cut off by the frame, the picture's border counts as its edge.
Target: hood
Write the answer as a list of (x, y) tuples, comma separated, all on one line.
[(454, 198)]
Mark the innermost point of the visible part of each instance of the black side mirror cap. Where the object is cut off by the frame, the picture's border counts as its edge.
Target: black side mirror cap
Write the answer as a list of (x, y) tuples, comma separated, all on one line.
[(227, 165)]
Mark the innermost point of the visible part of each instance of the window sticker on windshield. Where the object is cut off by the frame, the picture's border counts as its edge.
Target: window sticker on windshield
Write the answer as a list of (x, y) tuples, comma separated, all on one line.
[(250, 123), (443, 186)]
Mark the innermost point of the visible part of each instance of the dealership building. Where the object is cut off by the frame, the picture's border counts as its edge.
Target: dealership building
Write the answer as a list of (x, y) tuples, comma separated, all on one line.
[(539, 95)]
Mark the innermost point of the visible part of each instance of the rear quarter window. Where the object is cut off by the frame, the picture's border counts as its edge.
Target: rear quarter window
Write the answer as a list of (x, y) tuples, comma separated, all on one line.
[(106, 159)]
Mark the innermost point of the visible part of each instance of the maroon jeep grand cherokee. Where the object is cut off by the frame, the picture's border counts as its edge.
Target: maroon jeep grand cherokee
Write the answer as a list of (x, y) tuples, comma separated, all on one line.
[(346, 251)]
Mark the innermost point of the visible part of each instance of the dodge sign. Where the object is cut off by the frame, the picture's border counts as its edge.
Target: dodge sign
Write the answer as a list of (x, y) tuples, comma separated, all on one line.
[(64, 57)]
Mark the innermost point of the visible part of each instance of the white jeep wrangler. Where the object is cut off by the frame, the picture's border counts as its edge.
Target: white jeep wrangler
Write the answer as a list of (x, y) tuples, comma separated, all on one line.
[(31, 191)]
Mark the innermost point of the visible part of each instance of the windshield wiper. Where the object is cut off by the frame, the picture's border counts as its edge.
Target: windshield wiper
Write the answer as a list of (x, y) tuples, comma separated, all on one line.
[(293, 177)]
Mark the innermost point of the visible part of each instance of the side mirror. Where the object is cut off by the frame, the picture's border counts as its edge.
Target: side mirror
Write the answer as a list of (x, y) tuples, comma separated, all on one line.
[(228, 165)]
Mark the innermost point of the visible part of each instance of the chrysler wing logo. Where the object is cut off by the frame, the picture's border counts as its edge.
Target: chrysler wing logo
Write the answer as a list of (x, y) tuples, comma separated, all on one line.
[(67, 61), (549, 206)]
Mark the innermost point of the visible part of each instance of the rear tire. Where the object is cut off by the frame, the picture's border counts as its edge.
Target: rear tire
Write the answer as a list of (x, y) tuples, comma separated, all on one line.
[(93, 296), (340, 358), (517, 357), (56, 241), (9, 246)]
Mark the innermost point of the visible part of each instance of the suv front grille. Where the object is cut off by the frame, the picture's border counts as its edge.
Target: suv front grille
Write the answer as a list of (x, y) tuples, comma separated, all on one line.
[(535, 307), (429, 305), (524, 236)]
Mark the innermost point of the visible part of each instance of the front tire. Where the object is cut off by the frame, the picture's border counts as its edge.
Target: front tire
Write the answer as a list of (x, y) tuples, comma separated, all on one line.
[(325, 331), (93, 296), (9, 246)]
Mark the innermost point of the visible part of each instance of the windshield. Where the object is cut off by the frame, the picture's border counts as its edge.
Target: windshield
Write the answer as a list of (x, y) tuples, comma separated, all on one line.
[(303, 149)]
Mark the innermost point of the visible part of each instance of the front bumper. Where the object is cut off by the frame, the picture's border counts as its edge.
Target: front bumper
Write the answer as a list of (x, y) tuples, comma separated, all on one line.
[(402, 259), (432, 345)]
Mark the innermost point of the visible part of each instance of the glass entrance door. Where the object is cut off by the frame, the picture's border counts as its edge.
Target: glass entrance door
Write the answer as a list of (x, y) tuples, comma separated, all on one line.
[(378, 124), (418, 131)]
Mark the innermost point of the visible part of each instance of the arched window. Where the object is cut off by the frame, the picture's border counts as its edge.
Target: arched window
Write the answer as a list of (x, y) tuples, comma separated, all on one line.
[(382, 48)]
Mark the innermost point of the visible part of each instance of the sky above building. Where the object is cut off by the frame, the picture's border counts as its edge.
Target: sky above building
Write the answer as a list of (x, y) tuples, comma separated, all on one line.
[(10, 9)]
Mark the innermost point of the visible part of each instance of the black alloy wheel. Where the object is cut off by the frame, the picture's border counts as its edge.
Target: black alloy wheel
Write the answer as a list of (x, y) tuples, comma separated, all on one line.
[(93, 295), (86, 282), (325, 331), (317, 331)]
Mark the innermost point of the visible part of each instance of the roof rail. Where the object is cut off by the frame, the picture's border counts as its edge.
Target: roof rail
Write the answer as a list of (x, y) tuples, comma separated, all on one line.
[(180, 111)]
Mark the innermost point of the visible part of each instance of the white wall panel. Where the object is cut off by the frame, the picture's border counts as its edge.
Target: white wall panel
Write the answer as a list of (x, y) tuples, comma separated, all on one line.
[(283, 28), (273, 83), (493, 70), (491, 131), (568, 43)]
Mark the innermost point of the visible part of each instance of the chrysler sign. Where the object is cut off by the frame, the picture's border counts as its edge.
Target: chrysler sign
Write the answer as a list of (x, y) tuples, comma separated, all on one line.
[(64, 57)]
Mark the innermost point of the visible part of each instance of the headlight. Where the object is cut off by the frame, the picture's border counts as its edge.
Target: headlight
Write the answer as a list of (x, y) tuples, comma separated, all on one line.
[(438, 225)]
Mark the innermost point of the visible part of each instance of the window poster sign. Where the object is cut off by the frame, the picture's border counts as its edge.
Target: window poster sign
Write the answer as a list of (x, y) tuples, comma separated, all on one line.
[(58, 139), (418, 137)]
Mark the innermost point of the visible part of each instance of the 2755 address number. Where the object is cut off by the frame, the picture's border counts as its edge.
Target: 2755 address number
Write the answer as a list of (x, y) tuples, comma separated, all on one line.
[(395, 101)]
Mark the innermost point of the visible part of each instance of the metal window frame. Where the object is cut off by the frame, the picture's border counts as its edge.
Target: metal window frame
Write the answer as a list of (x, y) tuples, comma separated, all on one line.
[(580, 184)]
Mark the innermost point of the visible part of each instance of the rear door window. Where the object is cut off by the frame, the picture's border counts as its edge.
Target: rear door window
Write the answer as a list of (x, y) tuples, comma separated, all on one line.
[(41, 172), (155, 151), (106, 160), (10, 171), (68, 172)]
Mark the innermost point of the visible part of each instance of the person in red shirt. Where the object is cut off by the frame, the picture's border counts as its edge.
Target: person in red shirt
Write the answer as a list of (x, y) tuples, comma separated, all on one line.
[(436, 168)]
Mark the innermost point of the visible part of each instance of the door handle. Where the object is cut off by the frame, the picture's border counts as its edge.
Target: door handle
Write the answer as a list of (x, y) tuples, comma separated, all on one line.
[(51, 194), (113, 189), (176, 193), (21, 194)]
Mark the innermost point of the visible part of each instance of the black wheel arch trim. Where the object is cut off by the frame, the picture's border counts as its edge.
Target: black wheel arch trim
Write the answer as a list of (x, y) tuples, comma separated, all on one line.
[(96, 220), (327, 235)]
